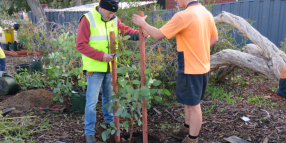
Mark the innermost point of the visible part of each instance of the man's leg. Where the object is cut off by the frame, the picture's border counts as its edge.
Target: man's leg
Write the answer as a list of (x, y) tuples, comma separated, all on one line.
[(194, 116), (106, 93), (2, 66), (93, 86)]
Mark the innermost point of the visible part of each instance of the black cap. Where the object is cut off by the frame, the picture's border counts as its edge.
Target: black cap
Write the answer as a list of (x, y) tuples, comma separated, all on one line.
[(110, 5)]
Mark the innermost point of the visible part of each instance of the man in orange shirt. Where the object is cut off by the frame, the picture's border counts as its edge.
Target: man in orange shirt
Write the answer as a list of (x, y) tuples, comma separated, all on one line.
[(195, 32)]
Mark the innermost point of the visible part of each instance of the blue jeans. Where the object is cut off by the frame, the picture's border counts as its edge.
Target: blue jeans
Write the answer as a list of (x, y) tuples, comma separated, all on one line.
[(2, 64), (94, 82)]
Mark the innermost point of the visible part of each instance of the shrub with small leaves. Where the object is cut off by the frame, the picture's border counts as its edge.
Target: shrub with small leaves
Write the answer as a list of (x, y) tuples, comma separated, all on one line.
[(130, 92), (65, 66)]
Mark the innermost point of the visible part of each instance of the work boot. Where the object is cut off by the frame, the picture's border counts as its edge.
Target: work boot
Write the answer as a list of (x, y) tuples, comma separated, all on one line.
[(90, 139), (188, 140), (180, 133)]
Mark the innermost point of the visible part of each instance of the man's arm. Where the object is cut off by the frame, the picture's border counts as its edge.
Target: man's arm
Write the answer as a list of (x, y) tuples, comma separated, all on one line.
[(129, 31), (126, 29), (152, 31), (214, 39)]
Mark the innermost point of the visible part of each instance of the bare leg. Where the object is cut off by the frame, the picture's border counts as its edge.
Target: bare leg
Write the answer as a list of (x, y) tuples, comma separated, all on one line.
[(195, 119)]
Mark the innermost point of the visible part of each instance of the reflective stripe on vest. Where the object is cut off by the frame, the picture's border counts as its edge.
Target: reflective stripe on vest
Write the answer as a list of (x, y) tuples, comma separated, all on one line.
[(92, 23), (94, 38)]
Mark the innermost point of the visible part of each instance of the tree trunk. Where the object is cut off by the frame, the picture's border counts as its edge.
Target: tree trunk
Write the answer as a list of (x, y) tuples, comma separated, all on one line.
[(262, 56), (39, 13), (77, 2)]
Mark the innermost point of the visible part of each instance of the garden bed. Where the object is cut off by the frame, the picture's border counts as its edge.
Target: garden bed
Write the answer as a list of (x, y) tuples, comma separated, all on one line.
[(249, 95)]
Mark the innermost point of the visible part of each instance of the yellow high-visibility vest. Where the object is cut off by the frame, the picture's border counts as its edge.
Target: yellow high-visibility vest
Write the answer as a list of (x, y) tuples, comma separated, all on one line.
[(2, 54)]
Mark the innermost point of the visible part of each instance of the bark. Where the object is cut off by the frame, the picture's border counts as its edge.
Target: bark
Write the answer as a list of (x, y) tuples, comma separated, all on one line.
[(39, 13), (263, 56), (78, 2)]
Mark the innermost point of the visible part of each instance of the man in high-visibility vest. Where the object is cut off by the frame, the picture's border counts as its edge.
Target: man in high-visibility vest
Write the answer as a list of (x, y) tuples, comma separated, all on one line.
[(93, 42), (2, 61)]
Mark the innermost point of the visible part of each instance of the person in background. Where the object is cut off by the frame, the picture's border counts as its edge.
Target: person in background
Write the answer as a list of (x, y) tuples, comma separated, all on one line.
[(2, 60), (281, 92), (195, 32)]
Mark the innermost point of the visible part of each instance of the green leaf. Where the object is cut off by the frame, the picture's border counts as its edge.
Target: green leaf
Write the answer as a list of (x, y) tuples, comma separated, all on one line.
[(136, 94), (132, 108), (123, 95), (126, 37), (130, 69), (112, 132), (124, 113), (148, 105), (112, 97), (56, 98), (131, 91), (106, 105), (119, 112), (161, 91), (61, 100), (144, 91), (118, 55), (128, 52), (118, 132), (103, 126), (158, 98), (153, 91), (120, 70), (112, 124), (147, 71), (167, 92), (157, 82), (137, 56), (104, 136), (136, 82), (124, 82)]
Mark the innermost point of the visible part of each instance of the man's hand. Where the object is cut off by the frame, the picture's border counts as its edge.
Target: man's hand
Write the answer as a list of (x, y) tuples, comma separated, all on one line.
[(145, 34), (138, 20), (107, 57)]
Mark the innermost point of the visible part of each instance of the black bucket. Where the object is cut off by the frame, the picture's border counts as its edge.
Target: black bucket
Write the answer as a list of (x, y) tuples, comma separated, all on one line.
[(5, 47), (21, 68)]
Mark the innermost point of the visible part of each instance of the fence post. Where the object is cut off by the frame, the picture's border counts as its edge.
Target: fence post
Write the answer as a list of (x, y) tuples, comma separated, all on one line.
[(114, 83), (143, 81)]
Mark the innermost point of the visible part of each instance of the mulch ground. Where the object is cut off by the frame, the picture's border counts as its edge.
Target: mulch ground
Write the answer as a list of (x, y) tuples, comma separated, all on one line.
[(254, 99)]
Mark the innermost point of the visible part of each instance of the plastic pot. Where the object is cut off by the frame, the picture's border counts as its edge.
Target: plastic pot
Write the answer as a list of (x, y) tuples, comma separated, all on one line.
[(78, 99), (21, 68), (8, 85), (13, 47), (36, 66)]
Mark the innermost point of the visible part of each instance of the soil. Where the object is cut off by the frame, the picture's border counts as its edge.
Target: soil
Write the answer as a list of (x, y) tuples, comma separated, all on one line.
[(220, 119), (31, 99)]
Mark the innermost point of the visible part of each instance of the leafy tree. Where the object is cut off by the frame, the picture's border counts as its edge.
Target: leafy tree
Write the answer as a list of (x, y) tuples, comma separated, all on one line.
[(68, 3), (21, 5)]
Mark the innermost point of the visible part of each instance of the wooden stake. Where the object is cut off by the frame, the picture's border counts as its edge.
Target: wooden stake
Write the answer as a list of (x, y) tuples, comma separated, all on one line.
[(114, 83), (143, 80)]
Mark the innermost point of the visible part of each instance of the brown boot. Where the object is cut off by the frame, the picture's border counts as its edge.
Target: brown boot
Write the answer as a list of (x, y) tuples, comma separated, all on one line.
[(188, 140), (180, 133)]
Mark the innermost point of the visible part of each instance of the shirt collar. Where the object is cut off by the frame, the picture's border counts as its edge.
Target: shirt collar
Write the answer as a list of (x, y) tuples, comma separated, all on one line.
[(192, 3)]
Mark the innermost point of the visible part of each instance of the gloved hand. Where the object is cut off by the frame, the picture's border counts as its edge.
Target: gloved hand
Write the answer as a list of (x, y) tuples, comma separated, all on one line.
[(107, 57), (1, 73)]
